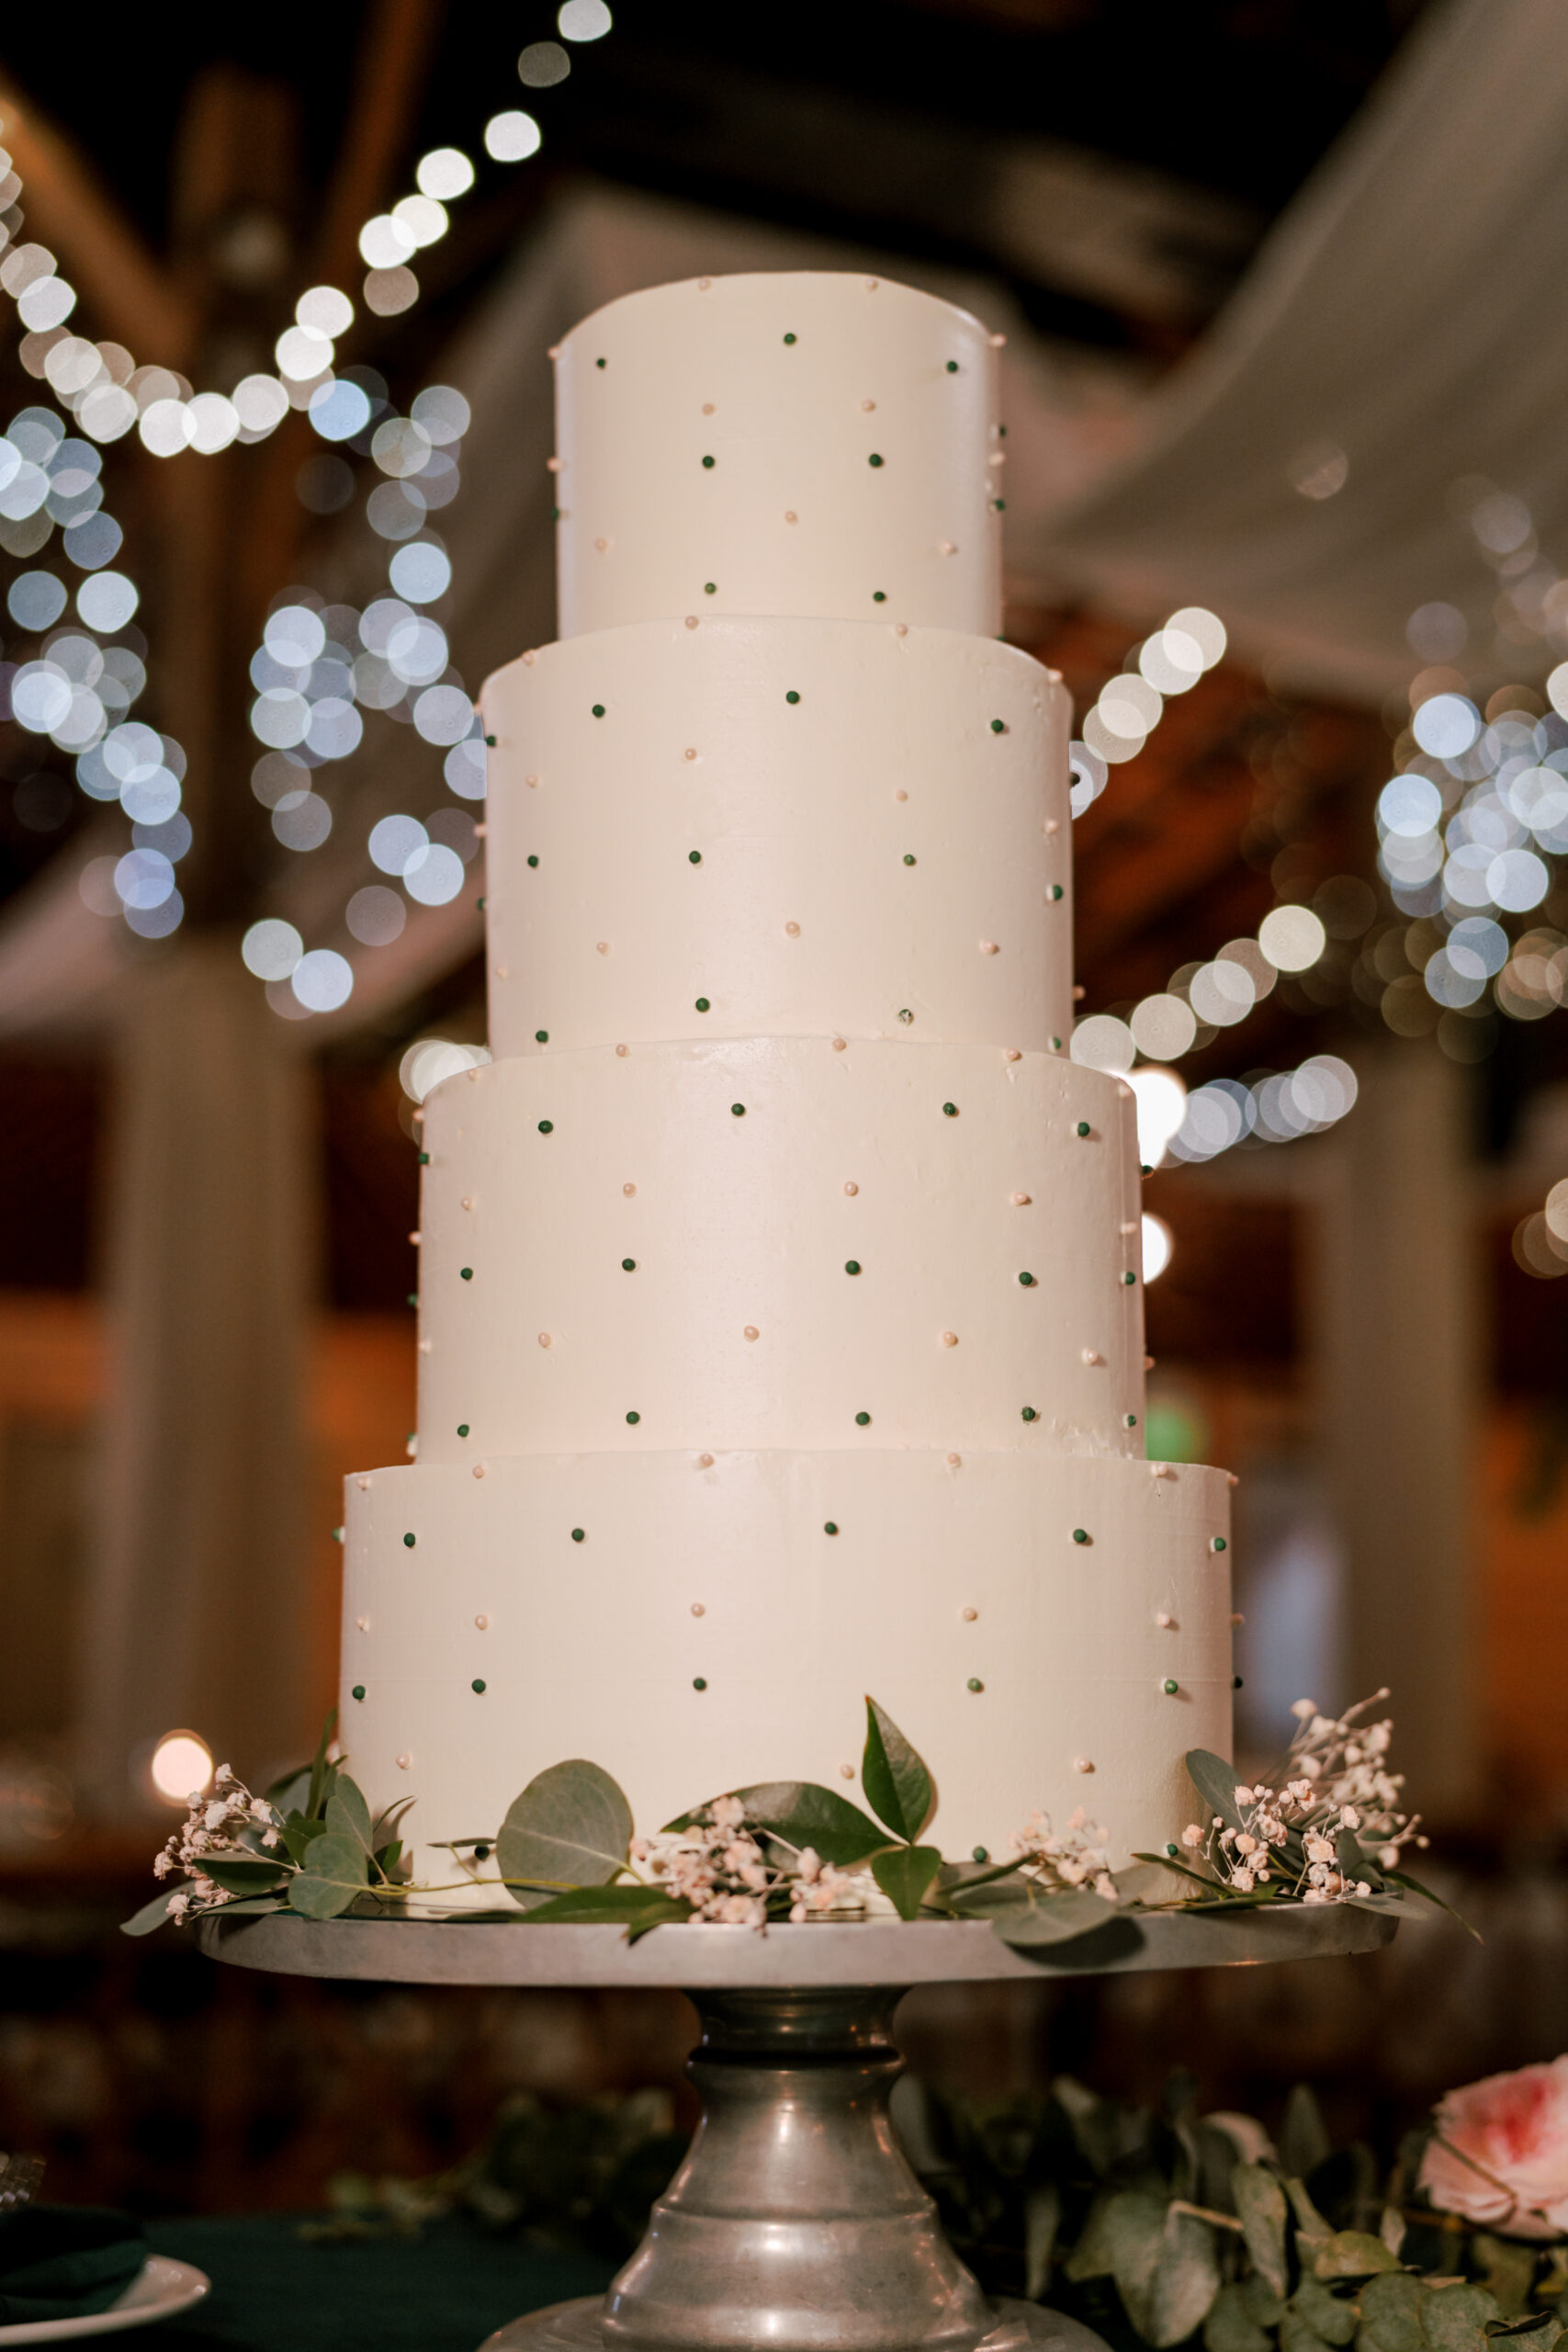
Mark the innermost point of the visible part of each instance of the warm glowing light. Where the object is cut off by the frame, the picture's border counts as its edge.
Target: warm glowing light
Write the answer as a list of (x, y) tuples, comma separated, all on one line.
[(1162, 1106), (1293, 938), (1158, 1243), (511, 137), (181, 1767)]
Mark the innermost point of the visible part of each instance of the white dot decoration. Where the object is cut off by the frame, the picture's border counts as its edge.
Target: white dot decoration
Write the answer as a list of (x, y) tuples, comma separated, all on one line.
[(949, 1339), (955, 1461), (364, 1485), (1237, 1617), (531, 780), (478, 1470), (698, 1610), (404, 1761), (1053, 824), (1149, 1363), (900, 628), (838, 1044), (703, 285), (543, 1339), (602, 946), (705, 1461), (416, 1239), (969, 1615), (792, 931), (707, 408), (1233, 1478), (691, 754), (1165, 1620), (900, 794), (988, 947), (425, 1346), (751, 1331), (601, 544), (945, 547), (790, 514), (1082, 1764), (483, 1624), (846, 1772), (363, 1623), (622, 1052), (466, 1202), (1021, 1200), (628, 1190), (1092, 1355), (552, 465), (503, 971), (691, 621), (852, 1189)]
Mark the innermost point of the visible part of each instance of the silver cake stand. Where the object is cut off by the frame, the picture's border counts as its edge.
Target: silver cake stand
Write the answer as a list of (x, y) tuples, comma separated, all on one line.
[(794, 2223)]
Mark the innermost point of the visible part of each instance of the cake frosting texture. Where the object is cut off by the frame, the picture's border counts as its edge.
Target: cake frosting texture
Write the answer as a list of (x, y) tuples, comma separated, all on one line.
[(780, 1299)]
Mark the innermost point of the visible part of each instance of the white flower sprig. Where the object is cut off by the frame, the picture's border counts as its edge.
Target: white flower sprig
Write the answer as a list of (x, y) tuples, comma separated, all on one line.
[(718, 1866), (1336, 1779), (225, 1824), (1072, 1860)]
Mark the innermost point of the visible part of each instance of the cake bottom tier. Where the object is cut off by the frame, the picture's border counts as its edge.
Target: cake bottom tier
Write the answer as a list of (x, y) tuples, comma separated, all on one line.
[(1050, 1633)]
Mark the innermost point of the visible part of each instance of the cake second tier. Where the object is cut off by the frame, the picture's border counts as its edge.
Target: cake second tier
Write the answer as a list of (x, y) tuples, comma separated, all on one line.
[(780, 1242), (738, 828)]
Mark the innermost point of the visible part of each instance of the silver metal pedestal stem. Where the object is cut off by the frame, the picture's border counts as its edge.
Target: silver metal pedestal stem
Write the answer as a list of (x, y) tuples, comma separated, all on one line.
[(794, 2223)]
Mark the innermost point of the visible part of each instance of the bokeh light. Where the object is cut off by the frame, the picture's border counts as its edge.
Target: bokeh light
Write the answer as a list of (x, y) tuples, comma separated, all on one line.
[(181, 1767), (1158, 1242), (511, 137)]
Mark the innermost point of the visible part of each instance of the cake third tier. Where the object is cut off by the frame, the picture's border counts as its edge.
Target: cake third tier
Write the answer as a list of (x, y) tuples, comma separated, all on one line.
[(780, 1242), (752, 827)]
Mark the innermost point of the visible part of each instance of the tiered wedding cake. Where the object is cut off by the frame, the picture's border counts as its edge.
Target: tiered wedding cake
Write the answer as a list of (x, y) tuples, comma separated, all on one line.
[(781, 1320)]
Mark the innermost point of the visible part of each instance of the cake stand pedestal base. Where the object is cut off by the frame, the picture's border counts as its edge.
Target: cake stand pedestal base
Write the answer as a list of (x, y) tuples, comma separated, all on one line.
[(794, 2223)]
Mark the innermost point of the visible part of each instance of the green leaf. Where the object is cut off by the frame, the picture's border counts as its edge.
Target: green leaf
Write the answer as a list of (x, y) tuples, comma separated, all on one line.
[(1413, 1886), (803, 1814), (1391, 2314), (1264, 2307), (244, 1878), (1163, 2264), (989, 1894), (571, 1826), (290, 1791), (1216, 1782), (347, 1813), (249, 1906), (1295, 2335), (1056, 1919), (1541, 2329), (319, 1770), (1454, 2319), (1354, 1860), (387, 1858), (903, 1873), (300, 1834), (1507, 2269), (1329, 2317), (1353, 2253), (637, 1907), (897, 1783), (335, 1871), (1229, 2326), (1042, 2220), (1260, 2204), (1147, 1879), (1303, 2138), (150, 1916), (1384, 1900)]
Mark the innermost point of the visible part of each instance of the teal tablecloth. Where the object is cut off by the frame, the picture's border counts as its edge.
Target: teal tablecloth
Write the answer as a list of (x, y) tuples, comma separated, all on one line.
[(273, 2293)]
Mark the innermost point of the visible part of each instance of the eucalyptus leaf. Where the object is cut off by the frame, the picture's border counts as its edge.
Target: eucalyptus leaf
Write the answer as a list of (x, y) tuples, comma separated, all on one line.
[(1042, 2223), (1391, 2230), (243, 1878), (1391, 2314), (1303, 2138), (1055, 1919), (1215, 1783), (1540, 2330), (1261, 2205), (803, 1814), (991, 1892), (903, 1872), (1093, 2256), (1165, 2265), (290, 1793), (1264, 2307), (1413, 1886), (150, 1916), (636, 1907), (1389, 1905), (1353, 2253), (1354, 1860), (571, 1827), (251, 1906), (1454, 2319), (299, 1834), (1507, 2269), (1204, 1879), (1297, 2336), (1309, 2221), (335, 1871), (347, 1813), (1329, 2317), (1147, 1879), (897, 1783), (1230, 2328), (320, 1771)]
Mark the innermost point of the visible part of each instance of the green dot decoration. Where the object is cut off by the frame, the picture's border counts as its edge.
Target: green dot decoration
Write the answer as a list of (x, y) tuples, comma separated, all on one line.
[(555, 514), (337, 1534), (878, 596), (1217, 1544), (699, 1682), (693, 857), (477, 1685), (981, 1854), (598, 710), (908, 858), (863, 1420), (791, 695), (600, 363), (998, 727), (1130, 1420), (533, 860), (852, 1265), (1129, 1280), (547, 1127), (710, 587), (578, 1533), (998, 506), (710, 461), (1055, 892), (1236, 1683), (1027, 1280), (738, 1109), (830, 1526), (1171, 1848), (1169, 1687), (1030, 1413), (541, 1036), (1056, 1045), (357, 1691), (628, 1265), (462, 1428), (950, 1109), (873, 459), (703, 1005), (425, 1159), (481, 904), (491, 739), (1080, 1535), (413, 1298), (467, 1272), (1081, 1129), (634, 1419), (409, 1541), (789, 338), (976, 1683), (481, 1853)]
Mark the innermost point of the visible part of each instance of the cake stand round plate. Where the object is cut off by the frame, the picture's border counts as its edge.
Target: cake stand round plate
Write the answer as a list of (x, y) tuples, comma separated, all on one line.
[(794, 2222), (924, 1951)]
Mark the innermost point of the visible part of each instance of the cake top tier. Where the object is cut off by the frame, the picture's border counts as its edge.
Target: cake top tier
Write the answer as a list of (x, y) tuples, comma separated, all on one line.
[(797, 443)]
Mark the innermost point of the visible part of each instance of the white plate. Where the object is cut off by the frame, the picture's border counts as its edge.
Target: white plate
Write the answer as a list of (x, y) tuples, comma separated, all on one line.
[(159, 2289)]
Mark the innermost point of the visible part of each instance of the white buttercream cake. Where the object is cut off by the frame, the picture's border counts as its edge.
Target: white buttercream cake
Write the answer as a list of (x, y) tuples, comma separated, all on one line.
[(781, 1311)]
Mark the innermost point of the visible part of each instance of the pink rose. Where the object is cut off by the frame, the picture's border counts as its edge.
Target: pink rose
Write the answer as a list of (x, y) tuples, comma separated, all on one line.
[(1501, 2154)]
